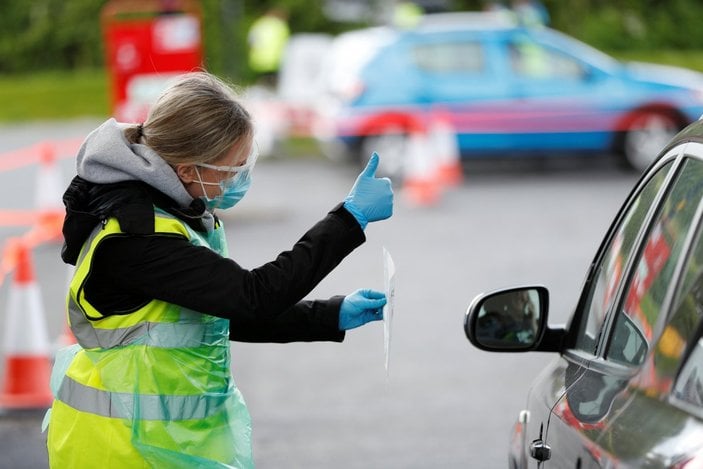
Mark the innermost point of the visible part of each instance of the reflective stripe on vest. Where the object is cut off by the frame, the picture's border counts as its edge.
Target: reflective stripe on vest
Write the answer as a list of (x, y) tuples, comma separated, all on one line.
[(121, 405), (155, 334)]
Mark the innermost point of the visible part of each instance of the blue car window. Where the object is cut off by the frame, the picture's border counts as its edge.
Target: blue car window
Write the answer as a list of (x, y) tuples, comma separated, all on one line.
[(609, 271), (643, 302), (449, 57)]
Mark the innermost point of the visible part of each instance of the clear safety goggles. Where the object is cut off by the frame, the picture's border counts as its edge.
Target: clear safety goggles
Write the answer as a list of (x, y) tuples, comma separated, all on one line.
[(234, 172)]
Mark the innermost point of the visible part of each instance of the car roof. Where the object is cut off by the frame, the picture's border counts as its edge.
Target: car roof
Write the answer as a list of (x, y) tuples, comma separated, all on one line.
[(499, 23), (692, 133), (475, 20)]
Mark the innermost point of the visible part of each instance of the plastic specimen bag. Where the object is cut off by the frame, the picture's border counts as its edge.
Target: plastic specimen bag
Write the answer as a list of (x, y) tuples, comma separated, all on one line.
[(389, 287)]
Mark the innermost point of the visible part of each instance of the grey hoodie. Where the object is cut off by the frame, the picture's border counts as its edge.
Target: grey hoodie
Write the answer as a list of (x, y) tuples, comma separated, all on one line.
[(106, 157)]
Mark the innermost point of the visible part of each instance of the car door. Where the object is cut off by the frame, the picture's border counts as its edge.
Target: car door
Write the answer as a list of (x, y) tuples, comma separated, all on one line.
[(561, 430), (458, 73), (613, 411), (558, 101)]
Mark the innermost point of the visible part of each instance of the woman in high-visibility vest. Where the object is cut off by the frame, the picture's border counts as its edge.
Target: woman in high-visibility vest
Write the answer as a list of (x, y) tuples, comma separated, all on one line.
[(155, 300)]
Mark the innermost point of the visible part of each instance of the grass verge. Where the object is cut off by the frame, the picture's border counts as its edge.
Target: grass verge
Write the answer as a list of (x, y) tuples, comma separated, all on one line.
[(54, 95)]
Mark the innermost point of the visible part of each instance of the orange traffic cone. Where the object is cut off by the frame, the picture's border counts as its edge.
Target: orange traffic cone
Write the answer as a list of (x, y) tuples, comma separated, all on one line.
[(48, 198), (27, 360), (420, 182), (444, 141)]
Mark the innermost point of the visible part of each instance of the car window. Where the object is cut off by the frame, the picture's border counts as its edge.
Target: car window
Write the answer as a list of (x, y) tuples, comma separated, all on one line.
[(685, 327), (449, 57), (646, 292), (689, 385), (607, 276), (531, 60)]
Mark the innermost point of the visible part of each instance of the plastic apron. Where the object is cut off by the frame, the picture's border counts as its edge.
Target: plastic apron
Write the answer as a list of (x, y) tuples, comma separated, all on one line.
[(148, 388)]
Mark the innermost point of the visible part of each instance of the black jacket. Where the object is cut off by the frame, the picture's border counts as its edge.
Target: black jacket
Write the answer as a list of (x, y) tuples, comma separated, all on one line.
[(263, 304)]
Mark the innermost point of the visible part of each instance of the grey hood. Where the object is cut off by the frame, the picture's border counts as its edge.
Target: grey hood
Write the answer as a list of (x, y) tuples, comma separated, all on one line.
[(106, 157)]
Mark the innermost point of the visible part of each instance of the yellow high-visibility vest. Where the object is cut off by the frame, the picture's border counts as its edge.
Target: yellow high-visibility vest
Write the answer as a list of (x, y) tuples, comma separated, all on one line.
[(267, 41), (150, 387)]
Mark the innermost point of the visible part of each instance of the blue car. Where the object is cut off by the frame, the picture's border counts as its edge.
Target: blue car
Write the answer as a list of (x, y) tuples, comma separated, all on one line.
[(507, 90)]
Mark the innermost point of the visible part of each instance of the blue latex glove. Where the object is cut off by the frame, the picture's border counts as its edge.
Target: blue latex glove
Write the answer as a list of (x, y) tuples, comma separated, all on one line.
[(371, 198), (361, 307)]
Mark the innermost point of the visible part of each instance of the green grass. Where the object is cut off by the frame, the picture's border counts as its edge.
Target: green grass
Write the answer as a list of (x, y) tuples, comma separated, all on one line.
[(53, 95), (85, 93)]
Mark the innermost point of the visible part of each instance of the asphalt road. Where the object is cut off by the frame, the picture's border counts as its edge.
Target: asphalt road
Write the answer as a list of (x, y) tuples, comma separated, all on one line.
[(442, 404)]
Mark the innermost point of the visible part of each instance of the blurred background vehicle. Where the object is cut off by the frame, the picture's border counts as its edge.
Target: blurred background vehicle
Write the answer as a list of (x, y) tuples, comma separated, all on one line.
[(288, 108), (318, 74), (627, 387), (301, 79), (509, 90), (346, 57)]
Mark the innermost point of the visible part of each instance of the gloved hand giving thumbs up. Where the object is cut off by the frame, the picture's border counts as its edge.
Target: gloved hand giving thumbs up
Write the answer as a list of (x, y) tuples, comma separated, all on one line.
[(361, 307), (371, 198)]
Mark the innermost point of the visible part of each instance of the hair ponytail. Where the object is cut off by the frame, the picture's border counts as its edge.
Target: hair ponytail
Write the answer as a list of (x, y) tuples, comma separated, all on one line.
[(134, 134)]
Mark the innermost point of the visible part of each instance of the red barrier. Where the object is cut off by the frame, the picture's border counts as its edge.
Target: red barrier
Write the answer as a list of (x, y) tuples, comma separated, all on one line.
[(17, 217), (33, 155)]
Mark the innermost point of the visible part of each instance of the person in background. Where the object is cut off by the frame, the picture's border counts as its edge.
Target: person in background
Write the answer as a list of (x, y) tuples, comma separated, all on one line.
[(495, 6), (530, 13), (155, 298), (406, 14), (267, 40)]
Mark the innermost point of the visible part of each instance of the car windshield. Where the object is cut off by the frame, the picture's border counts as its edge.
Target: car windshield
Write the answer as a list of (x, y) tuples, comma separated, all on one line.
[(583, 51)]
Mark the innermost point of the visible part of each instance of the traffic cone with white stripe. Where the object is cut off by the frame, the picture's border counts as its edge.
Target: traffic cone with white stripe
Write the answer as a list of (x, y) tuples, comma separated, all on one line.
[(444, 141), (420, 182), (48, 197), (25, 383)]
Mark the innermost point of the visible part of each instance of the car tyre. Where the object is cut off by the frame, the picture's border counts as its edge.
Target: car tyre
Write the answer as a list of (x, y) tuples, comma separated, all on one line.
[(646, 135), (392, 146)]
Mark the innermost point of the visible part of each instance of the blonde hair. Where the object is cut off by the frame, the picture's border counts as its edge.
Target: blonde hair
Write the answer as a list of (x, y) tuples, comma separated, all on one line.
[(195, 120)]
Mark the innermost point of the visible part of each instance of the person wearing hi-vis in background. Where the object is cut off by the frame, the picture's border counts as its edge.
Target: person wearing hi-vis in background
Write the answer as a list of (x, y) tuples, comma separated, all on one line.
[(155, 299)]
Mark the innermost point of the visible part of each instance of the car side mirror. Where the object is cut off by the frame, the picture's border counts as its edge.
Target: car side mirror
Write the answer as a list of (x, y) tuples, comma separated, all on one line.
[(512, 320)]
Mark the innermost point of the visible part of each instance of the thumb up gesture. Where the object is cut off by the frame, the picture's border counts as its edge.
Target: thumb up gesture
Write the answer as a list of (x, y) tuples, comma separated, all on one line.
[(371, 198)]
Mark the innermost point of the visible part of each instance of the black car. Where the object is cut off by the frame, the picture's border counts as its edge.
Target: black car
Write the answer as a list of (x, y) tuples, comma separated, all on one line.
[(626, 389)]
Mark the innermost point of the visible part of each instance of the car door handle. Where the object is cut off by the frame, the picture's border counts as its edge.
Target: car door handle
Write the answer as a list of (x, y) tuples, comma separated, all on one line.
[(540, 451)]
